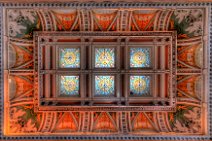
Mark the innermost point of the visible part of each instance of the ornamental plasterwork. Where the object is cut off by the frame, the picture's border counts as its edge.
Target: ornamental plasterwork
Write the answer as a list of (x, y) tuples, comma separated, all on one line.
[(188, 118)]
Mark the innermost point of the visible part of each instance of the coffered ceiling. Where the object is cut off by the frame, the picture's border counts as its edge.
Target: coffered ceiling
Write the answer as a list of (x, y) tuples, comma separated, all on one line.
[(177, 106)]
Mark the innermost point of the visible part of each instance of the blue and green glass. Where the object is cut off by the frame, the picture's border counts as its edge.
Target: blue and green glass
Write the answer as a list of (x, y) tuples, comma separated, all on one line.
[(69, 85), (70, 58), (139, 85), (140, 57), (104, 85), (104, 57)]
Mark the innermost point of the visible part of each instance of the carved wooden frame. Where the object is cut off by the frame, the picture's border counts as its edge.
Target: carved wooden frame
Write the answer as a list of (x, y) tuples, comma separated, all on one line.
[(50, 38)]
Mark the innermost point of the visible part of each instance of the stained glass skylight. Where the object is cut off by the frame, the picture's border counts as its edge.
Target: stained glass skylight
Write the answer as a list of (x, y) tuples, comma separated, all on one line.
[(70, 58), (69, 85), (104, 57), (104, 85), (139, 85), (139, 57)]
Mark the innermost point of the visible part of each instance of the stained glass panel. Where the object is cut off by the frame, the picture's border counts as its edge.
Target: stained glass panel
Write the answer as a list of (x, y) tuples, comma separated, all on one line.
[(70, 58), (69, 85), (104, 57), (139, 57), (104, 85), (139, 85)]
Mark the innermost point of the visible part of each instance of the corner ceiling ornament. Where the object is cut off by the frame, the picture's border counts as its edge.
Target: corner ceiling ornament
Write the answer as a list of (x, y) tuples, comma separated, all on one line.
[(54, 81)]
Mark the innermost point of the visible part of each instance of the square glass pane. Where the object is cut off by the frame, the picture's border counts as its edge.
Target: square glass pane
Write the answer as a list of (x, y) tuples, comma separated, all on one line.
[(139, 85), (104, 85), (69, 85), (104, 57), (69, 58), (139, 57)]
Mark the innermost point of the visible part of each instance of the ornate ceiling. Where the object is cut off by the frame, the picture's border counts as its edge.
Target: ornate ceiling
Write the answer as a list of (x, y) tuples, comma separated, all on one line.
[(23, 25)]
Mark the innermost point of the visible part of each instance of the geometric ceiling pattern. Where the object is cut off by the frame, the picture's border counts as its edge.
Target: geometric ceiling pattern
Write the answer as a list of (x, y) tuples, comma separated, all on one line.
[(190, 120)]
